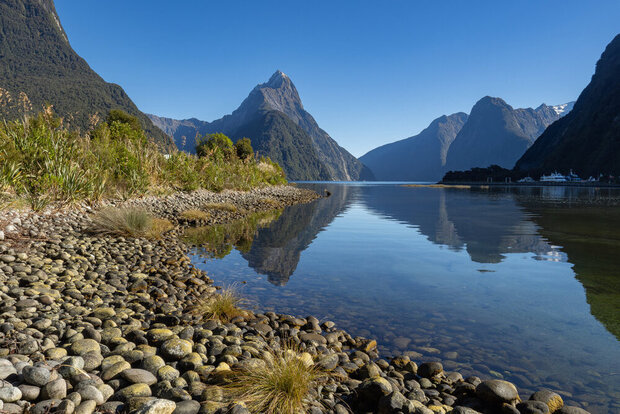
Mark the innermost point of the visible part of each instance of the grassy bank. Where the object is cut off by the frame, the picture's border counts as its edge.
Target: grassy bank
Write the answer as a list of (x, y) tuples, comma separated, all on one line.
[(43, 162)]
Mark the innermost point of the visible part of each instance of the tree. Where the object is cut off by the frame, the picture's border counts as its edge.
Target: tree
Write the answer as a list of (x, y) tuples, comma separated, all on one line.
[(214, 143), (118, 115), (244, 148)]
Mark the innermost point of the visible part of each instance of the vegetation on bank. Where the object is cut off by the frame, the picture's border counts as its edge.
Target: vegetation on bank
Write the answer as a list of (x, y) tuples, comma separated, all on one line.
[(43, 162), (131, 222), (280, 384), (222, 307)]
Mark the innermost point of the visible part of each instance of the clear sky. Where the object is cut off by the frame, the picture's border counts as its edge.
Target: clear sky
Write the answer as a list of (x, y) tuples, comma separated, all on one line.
[(370, 72)]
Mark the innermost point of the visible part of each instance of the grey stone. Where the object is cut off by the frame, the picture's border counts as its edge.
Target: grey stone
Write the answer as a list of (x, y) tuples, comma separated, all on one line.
[(391, 403), (56, 389), (86, 407), (533, 407), (159, 406), (38, 376), (328, 362), (89, 392), (430, 369), (9, 393), (29, 392), (187, 407), (176, 349), (44, 407), (497, 391), (136, 376), (65, 407), (6, 369)]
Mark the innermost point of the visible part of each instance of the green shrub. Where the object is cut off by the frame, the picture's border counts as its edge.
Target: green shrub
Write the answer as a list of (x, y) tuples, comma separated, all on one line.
[(120, 116), (43, 162), (214, 144), (244, 148)]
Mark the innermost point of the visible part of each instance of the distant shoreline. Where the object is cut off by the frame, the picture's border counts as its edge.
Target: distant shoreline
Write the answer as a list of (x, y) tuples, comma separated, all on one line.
[(534, 184)]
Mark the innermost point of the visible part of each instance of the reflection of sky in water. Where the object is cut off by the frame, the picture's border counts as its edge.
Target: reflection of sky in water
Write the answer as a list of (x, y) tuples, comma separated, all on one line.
[(495, 292)]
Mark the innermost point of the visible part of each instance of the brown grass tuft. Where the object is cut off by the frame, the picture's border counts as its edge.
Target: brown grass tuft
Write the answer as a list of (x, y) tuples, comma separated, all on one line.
[(222, 306), (132, 222), (194, 215), (158, 227), (282, 385)]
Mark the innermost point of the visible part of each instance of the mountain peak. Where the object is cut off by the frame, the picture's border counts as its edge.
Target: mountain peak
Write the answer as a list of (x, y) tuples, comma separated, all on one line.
[(491, 101), (277, 80)]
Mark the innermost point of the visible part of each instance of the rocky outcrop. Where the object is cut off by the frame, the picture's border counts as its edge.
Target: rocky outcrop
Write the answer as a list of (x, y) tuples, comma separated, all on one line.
[(587, 140)]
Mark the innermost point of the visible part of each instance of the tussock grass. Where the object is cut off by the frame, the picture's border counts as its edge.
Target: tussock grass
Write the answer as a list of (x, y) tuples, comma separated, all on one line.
[(220, 206), (282, 385), (43, 162), (194, 215), (132, 222), (159, 226), (222, 306)]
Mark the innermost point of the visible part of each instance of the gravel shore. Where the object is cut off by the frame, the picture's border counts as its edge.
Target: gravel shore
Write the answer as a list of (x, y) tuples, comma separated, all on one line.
[(101, 324)]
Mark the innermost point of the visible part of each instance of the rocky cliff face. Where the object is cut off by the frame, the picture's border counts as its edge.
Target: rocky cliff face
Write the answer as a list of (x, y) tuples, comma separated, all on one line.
[(278, 94), (497, 134), (38, 66), (418, 158), (586, 140)]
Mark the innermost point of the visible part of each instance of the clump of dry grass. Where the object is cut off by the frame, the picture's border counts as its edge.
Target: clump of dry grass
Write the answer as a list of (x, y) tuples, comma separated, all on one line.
[(220, 206), (222, 306), (132, 222), (194, 215), (158, 227), (282, 385)]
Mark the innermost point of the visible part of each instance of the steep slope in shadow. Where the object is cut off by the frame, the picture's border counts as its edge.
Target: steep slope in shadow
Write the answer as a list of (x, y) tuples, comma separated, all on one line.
[(276, 250)]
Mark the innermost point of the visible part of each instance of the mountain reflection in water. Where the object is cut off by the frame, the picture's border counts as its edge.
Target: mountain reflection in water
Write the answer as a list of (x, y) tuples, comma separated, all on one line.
[(494, 275)]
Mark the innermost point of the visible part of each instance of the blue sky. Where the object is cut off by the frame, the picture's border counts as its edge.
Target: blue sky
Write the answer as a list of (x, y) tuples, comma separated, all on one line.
[(370, 72)]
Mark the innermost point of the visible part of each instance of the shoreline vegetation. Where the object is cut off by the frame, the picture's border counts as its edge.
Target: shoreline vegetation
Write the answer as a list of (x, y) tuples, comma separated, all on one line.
[(42, 162)]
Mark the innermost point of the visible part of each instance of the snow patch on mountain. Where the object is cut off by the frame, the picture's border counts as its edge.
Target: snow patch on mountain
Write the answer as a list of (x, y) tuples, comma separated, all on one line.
[(563, 109)]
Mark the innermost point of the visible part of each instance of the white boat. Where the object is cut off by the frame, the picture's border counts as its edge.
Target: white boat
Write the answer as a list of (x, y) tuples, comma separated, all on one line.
[(526, 180), (555, 177), (572, 177)]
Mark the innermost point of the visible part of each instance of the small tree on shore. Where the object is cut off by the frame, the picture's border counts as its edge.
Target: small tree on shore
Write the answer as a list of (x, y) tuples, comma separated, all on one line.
[(244, 148), (217, 143), (118, 115)]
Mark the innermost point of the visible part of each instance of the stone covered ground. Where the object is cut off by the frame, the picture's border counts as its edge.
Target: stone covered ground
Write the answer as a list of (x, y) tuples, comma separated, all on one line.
[(101, 324)]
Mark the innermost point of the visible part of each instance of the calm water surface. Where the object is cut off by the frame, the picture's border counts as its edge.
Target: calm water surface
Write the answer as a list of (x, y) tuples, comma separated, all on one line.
[(521, 284)]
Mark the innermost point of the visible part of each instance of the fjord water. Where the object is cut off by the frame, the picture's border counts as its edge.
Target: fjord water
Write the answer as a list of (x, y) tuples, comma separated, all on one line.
[(514, 283)]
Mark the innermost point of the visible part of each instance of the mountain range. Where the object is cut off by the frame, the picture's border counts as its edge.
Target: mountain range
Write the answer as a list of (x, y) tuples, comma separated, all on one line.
[(274, 118), (587, 140), (38, 67), (493, 133)]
